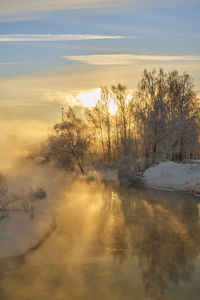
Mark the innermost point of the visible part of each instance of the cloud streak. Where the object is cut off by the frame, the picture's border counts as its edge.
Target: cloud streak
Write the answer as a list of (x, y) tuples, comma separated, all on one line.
[(18, 10), (128, 59), (13, 7), (13, 63), (21, 7), (56, 37)]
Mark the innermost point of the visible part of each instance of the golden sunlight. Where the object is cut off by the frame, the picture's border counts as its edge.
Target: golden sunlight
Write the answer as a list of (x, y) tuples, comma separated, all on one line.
[(112, 107), (89, 99)]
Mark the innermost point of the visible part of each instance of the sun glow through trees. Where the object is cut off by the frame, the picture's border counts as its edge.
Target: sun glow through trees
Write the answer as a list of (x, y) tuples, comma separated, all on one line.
[(90, 99)]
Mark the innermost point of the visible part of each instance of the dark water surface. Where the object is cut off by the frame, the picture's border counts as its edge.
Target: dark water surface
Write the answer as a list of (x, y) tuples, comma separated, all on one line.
[(113, 243)]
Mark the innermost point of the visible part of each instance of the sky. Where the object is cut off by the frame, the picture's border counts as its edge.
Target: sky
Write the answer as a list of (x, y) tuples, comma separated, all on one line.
[(52, 51)]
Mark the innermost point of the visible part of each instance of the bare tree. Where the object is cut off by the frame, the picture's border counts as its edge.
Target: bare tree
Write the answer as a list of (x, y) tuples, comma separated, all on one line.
[(70, 137), (120, 95), (161, 121), (101, 120), (151, 111), (183, 113), (167, 113)]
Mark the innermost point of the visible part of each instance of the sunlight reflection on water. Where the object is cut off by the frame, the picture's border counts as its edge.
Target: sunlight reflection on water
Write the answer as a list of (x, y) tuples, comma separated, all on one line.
[(114, 243)]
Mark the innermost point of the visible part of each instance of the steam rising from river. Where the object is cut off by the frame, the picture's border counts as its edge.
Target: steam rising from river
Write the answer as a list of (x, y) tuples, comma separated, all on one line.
[(110, 242)]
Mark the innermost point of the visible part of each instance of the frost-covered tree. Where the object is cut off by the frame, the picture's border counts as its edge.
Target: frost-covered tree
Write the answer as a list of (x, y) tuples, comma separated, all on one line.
[(183, 115), (167, 114), (151, 112), (120, 95), (100, 119), (161, 121), (70, 138)]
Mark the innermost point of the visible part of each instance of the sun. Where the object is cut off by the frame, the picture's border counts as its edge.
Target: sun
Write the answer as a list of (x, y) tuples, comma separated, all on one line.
[(90, 99), (112, 107)]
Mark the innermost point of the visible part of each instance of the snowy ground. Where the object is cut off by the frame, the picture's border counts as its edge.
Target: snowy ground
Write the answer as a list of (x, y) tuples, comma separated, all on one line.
[(21, 231), (22, 228), (174, 176)]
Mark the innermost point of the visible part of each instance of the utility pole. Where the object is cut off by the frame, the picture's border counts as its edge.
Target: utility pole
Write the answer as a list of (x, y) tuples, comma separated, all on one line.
[(62, 114)]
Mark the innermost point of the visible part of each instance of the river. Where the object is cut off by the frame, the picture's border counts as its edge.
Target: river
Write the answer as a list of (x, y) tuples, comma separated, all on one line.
[(113, 243)]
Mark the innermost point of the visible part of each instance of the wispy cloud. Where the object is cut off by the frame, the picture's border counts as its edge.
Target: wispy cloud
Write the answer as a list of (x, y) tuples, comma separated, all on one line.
[(56, 37), (128, 59), (24, 7), (18, 7), (13, 63), (17, 10), (4, 18)]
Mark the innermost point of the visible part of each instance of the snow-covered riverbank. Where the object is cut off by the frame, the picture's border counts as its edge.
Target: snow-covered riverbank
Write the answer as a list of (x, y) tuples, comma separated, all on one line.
[(29, 197), (174, 176), (21, 232)]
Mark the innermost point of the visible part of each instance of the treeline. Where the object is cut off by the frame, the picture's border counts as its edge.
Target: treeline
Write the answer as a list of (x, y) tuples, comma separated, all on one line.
[(160, 121)]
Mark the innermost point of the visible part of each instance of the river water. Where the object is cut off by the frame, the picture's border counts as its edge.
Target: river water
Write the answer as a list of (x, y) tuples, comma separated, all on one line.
[(113, 243)]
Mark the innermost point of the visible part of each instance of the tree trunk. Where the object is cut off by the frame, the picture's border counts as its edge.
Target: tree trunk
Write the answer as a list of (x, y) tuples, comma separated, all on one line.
[(81, 168), (181, 150), (80, 165), (154, 153)]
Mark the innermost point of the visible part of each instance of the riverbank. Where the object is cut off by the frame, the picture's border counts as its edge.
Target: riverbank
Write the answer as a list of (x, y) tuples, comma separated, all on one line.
[(174, 177), (21, 231)]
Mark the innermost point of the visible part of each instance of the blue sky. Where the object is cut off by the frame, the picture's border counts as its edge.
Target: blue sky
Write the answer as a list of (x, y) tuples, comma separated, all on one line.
[(52, 50)]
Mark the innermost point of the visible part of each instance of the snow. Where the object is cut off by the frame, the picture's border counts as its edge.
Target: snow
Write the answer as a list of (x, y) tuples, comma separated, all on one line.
[(174, 176), (23, 228), (20, 231)]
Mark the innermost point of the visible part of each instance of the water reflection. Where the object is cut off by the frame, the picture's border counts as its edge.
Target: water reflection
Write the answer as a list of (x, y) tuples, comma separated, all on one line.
[(113, 243), (165, 236)]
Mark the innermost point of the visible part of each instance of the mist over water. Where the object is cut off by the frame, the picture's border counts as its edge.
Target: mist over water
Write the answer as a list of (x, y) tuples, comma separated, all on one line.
[(98, 100), (18, 139), (110, 242), (113, 243)]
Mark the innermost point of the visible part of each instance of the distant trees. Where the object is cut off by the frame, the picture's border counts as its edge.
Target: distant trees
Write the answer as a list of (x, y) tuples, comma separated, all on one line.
[(160, 121)]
